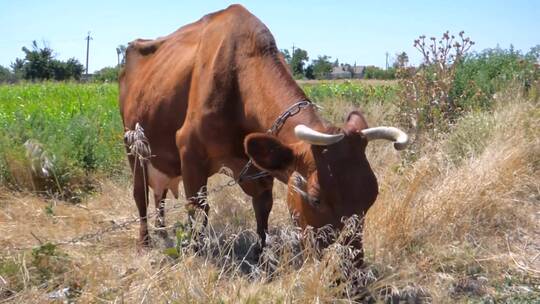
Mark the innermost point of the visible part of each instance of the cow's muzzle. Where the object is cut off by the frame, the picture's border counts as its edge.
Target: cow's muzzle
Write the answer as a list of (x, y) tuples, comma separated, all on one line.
[(299, 184)]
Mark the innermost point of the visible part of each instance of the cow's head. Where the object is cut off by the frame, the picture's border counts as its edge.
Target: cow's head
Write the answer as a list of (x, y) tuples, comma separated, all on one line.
[(329, 176)]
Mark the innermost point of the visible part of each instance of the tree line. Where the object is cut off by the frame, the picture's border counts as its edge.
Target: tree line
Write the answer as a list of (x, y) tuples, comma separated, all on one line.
[(40, 63), (322, 66)]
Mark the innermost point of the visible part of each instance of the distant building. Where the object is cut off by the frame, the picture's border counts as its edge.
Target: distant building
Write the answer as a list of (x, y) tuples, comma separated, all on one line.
[(357, 71), (346, 71), (339, 72), (87, 77)]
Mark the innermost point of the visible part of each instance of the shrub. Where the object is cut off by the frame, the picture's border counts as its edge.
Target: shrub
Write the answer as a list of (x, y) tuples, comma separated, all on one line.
[(450, 82), (426, 102), (479, 76), (6, 75), (373, 72), (107, 74)]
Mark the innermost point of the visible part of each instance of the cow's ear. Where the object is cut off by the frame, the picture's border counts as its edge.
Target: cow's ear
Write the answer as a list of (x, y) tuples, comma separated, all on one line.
[(268, 152), (355, 122)]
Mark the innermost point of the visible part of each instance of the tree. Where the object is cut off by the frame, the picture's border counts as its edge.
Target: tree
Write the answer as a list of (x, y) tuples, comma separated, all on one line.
[(297, 62), (17, 68), (321, 66), (72, 68), (309, 72), (39, 63), (373, 72), (6, 75), (534, 53), (402, 60), (107, 74), (121, 54), (286, 55)]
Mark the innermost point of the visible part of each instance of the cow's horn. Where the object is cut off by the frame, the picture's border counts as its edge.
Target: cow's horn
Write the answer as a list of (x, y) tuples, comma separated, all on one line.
[(399, 137), (315, 137)]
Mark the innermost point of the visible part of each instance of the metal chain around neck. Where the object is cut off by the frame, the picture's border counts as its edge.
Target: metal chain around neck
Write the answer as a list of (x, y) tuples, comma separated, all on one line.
[(274, 130), (291, 111)]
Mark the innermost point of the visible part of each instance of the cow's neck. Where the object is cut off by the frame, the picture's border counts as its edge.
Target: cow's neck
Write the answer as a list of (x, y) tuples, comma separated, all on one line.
[(269, 90)]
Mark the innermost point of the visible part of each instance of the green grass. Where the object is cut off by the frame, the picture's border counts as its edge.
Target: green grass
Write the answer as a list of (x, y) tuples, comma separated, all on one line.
[(78, 125), (354, 92)]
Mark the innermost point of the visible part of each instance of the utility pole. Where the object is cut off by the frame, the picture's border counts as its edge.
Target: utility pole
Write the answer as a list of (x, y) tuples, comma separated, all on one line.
[(292, 51), (88, 38), (386, 60)]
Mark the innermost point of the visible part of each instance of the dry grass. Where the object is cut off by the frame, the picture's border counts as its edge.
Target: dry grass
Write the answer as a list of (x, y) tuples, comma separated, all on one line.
[(441, 231), (478, 220)]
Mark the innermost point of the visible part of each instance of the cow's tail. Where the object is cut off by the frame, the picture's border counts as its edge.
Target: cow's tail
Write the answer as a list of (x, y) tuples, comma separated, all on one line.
[(138, 144)]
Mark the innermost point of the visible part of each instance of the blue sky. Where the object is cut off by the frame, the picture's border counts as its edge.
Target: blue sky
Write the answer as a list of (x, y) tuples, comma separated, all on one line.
[(352, 31)]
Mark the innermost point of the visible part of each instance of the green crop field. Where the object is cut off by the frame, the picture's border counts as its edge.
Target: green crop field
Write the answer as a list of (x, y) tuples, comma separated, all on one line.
[(77, 124), (355, 92)]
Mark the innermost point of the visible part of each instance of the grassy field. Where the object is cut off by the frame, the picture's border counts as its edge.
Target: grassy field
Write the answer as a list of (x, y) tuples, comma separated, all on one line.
[(457, 218), (78, 125)]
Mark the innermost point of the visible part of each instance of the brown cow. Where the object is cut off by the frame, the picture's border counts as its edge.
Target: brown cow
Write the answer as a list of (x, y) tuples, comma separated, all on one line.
[(206, 95)]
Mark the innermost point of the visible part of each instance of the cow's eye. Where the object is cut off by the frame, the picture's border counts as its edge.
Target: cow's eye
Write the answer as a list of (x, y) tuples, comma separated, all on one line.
[(314, 201)]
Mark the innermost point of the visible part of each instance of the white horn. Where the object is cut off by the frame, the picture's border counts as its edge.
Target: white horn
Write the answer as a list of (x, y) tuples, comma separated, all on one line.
[(315, 137), (399, 137)]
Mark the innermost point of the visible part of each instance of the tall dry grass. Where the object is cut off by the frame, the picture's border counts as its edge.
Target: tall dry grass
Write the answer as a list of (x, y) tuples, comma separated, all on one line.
[(455, 221), (468, 226)]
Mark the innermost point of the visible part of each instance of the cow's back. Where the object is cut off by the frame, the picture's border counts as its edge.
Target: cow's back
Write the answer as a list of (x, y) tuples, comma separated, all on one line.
[(187, 80), (154, 89)]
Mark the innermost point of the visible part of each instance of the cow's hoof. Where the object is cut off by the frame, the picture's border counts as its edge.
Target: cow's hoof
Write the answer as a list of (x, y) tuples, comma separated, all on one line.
[(143, 250), (258, 253), (196, 245), (144, 244), (162, 232)]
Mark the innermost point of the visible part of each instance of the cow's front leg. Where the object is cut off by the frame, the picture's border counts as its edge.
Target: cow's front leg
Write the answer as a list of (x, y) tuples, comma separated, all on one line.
[(195, 177), (159, 200), (262, 204), (260, 191)]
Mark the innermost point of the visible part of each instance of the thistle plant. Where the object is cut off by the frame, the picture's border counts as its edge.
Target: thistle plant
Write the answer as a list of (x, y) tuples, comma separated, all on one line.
[(425, 94)]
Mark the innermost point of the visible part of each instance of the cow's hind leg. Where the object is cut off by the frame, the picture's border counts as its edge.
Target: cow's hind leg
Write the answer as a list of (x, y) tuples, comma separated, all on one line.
[(138, 151), (140, 194)]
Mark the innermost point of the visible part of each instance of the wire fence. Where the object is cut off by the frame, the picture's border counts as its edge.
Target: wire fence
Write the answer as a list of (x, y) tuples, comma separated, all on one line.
[(117, 226)]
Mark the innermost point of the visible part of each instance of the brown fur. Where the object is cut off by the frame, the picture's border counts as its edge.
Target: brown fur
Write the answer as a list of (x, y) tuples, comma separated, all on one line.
[(200, 92)]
